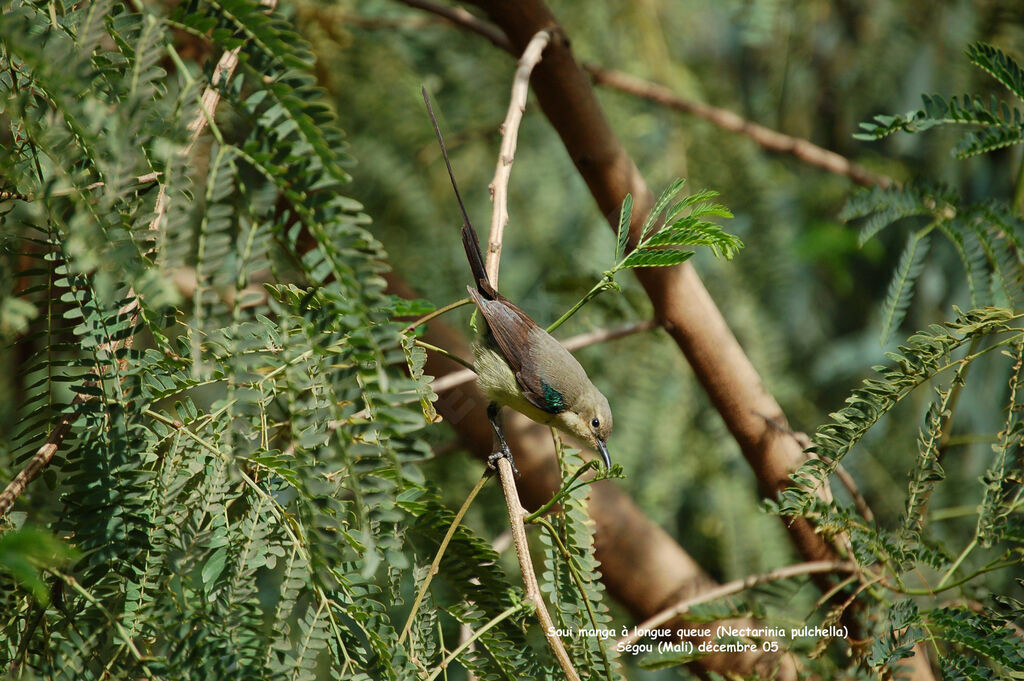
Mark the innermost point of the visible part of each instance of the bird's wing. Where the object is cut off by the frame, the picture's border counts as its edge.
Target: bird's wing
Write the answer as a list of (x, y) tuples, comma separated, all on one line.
[(514, 332)]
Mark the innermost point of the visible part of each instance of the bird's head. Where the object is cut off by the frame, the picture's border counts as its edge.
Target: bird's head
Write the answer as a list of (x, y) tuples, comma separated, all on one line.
[(590, 419)]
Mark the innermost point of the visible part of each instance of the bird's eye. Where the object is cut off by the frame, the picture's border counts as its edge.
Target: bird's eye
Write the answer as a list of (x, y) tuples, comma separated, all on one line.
[(596, 423)]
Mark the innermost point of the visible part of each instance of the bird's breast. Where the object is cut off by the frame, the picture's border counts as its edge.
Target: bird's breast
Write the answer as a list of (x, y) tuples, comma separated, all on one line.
[(497, 381)]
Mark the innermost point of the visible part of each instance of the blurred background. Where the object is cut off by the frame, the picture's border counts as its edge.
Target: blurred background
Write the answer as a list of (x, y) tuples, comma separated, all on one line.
[(803, 298)]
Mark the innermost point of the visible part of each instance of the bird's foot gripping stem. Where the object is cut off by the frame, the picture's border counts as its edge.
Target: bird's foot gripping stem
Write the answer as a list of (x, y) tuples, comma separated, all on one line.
[(502, 451)]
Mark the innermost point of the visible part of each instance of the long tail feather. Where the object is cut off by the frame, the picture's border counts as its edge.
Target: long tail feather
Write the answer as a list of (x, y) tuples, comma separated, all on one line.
[(476, 261), (469, 238)]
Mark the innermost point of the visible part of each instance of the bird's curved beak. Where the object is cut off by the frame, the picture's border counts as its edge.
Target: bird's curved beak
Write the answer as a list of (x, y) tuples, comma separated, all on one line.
[(603, 448)]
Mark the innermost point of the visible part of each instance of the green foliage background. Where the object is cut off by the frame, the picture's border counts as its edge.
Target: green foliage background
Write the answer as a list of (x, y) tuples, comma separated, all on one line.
[(249, 491)]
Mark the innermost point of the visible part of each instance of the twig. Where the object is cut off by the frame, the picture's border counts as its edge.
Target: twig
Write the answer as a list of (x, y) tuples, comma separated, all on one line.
[(734, 587), (859, 502), (516, 514), (207, 107), (603, 285), (463, 18), (839, 586), (769, 139), (844, 476), (956, 387), (40, 460), (457, 378), (441, 351), (140, 179), (225, 68), (437, 313), (509, 136), (436, 563), (990, 567), (835, 614), (566, 490), (480, 632), (601, 335), (136, 653), (499, 218)]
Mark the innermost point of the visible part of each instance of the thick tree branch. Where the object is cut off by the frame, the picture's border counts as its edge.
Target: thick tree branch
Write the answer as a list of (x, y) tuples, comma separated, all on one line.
[(672, 573), (681, 302)]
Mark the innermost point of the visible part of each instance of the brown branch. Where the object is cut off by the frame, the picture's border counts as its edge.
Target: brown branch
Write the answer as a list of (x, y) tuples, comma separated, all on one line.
[(844, 476), (735, 587), (499, 218), (40, 460), (859, 502), (680, 300), (464, 19), (701, 333), (457, 378), (509, 137), (8, 196), (225, 68), (768, 139), (771, 140), (516, 515), (601, 335)]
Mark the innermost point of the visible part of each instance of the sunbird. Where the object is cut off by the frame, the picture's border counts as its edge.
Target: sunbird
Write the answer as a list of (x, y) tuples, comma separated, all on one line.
[(520, 365)]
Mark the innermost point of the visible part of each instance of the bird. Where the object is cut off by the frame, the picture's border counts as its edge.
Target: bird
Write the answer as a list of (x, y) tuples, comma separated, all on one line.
[(519, 364)]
